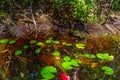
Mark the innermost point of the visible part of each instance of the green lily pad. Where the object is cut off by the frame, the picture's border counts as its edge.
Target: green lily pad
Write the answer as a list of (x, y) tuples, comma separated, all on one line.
[(39, 43), (56, 42), (18, 52), (33, 41), (81, 46), (12, 42), (67, 65), (89, 55), (49, 40), (66, 44), (100, 56), (56, 53), (74, 62), (66, 58), (38, 50), (108, 70), (48, 72), (25, 47), (111, 58), (4, 41)]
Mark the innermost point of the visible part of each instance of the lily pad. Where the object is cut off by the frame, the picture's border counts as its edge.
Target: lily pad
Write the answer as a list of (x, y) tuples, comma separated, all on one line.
[(33, 41), (108, 70), (48, 72), (74, 62), (4, 41), (18, 52), (12, 42), (56, 42), (56, 53), (81, 46), (39, 43), (89, 55), (38, 50), (67, 65), (66, 58)]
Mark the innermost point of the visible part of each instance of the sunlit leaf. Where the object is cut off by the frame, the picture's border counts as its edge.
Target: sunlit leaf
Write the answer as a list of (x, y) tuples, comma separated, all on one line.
[(81, 46), (12, 42), (39, 43), (48, 72), (33, 41), (108, 70), (56, 53), (67, 65), (56, 42), (25, 47), (74, 62), (66, 58), (4, 41), (38, 50), (18, 52), (89, 55)]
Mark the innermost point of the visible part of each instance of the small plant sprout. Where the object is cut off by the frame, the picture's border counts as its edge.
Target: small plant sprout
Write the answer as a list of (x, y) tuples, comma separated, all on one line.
[(105, 56), (81, 46), (38, 50), (12, 42), (49, 40), (108, 70), (48, 72), (56, 53), (90, 55), (39, 43), (3, 41), (25, 47), (33, 41), (18, 52), (56, 42)]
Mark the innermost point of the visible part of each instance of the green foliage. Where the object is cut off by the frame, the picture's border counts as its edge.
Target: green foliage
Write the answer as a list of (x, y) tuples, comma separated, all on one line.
[(12, 42), (105, 56), (25, 47), (56, 42), (47, 72), (56, 53), (69, 63), (38, 50), (81, 46), (108, 70), (18, 52), (4, 41), (39, 43), (33, 41), (90, 55), (66, 44), (49, 40)]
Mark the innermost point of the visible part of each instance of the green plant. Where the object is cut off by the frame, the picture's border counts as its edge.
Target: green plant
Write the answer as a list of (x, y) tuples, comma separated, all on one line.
[(105, 56), (12, 42), (56, 42), (88, 55), (81, 46), (66, 44), (56, 53), (49, 40), (39, 43), (108, 70), (18, 52), (70, 63), (25, 47), (33, 41), (48, 72), (3, 41), (38, 50)]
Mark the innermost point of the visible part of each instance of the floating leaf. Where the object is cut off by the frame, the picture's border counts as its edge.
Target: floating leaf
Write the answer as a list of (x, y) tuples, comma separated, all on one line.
[(111, 58), (12, 42), (108, 70), (66, 58), (18, 52), (67, 65), (56, 42), (37, 50), (49, 40), (4, 41), (47, 72), (74, 62), (66, 44), (100, 56), (81, 46), (56, 53), (39, 43), (33, 41), (90, 55), (25, 47)]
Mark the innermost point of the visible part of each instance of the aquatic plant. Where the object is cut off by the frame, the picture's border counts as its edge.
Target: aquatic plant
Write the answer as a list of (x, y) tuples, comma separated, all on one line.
[(108, 70), (18, 52), (48, 72)]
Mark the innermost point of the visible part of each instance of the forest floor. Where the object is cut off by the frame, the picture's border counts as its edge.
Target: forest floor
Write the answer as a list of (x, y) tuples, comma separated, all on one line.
[(41, 27)]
